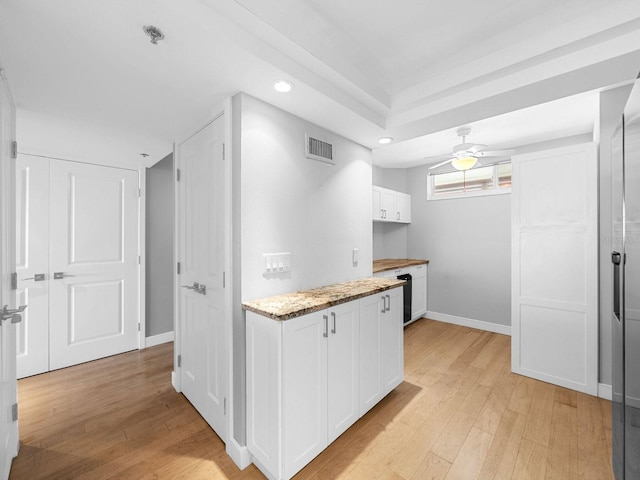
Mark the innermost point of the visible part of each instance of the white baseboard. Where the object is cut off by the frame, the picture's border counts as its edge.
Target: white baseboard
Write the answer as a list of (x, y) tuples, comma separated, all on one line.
[(605, 391), (470, 322), (239, 454), (158, 339)]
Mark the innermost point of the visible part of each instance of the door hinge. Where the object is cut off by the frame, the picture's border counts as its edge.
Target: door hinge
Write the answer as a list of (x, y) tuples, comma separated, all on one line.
[(14, 412), (224, 279), (14, 149), (225, 405), (179, 361), (139, 193), (14, 281), (178, 268), (139, 260), (177, 174), (138, 326), (223, 152)]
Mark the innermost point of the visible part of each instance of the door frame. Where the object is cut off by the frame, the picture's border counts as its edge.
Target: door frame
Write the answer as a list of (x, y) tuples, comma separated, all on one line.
[(238, 453)]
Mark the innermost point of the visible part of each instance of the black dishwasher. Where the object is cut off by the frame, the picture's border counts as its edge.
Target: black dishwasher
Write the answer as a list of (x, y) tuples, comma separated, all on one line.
[(406, 296)]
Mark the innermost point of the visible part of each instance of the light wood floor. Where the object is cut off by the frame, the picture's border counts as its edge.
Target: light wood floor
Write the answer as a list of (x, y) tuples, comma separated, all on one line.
[(460, 414)]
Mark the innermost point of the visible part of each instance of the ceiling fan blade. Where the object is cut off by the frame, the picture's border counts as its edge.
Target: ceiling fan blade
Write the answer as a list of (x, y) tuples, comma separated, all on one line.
[(476, 147), (441, 163), (496, 153)]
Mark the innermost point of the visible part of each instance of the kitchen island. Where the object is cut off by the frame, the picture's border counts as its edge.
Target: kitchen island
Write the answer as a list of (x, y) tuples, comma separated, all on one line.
[(317, 360)]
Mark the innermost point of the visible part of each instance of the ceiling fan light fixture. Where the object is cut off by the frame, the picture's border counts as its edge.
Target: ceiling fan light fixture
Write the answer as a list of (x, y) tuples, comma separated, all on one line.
[(464, 163)]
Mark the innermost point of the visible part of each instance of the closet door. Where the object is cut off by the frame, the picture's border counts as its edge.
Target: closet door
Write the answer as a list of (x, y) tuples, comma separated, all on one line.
[(554, 262), (94, 267), (32, 259)]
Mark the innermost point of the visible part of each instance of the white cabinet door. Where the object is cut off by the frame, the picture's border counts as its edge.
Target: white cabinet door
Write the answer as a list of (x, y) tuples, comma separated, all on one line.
[(343, 384), (418, 291), (370, 352), (403, 207), (304, 381), (201, 254), (392, 346), (554, 265), (264, 392), (32, 262), (94, 262)]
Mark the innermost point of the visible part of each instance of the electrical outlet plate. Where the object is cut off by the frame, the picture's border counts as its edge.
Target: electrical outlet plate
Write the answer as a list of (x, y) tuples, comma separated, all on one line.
[(277, 262)]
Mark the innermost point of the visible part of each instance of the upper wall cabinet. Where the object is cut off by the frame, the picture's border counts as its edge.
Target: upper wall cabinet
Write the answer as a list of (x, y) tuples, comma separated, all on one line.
[(391, 206)]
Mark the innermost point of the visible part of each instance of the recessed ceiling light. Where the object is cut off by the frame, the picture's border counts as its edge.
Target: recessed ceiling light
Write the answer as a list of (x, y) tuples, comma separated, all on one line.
[(283, 86), (385, 140)]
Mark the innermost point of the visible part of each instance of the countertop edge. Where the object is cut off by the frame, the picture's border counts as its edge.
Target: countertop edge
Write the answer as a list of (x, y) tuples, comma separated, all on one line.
[(322, 306), (395, 263)]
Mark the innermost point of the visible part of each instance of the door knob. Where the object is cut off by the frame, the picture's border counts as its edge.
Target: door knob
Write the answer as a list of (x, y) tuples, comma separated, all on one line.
[(60, 275), (38, 277), (195, 286), (13, 314)]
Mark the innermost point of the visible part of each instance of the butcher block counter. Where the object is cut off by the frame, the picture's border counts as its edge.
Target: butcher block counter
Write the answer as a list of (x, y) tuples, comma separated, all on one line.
[(295, 304), (386, 264)]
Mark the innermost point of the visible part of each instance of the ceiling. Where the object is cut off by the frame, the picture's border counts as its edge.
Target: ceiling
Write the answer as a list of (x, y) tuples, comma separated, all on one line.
[(88, 83)]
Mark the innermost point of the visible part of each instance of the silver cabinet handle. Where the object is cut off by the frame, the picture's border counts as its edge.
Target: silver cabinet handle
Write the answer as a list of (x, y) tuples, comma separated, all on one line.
[(398, 216), (38, 277), (381, 213), (60, 275), (13, 314), (384, 305), (388, 300), (326, 326), (333, 330)]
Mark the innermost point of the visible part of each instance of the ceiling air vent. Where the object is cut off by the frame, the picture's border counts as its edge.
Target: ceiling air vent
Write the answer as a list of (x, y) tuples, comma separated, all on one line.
[(319, 150)]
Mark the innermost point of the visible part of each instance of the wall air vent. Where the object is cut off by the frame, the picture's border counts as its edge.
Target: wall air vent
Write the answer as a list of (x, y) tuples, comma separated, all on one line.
[(319, 150)]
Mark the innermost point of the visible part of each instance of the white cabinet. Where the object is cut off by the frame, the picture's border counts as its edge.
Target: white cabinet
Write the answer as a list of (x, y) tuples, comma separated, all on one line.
[(391, 206), (371, 351), (418, 286), (392, 345), (309, 378), (343, 382), (403, 207), (418, 291)]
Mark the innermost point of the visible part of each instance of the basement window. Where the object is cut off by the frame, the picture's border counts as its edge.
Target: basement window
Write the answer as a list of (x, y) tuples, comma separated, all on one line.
[(490, 180)]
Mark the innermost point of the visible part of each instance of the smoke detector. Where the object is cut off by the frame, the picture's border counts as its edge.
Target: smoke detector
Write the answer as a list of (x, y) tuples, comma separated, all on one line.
[(154, 33)]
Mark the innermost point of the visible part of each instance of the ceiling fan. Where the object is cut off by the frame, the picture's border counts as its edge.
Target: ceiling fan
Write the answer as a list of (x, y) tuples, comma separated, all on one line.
[(465, 155)]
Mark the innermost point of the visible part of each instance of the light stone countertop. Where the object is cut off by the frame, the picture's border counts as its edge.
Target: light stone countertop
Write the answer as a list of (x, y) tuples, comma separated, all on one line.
[(386, 264), (295, 304)]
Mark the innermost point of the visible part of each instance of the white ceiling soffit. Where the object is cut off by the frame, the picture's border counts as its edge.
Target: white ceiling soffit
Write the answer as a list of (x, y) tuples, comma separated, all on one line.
[(361, 69)]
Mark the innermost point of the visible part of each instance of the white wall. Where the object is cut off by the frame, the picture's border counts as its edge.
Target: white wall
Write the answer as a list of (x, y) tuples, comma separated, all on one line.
[(159, 248), (290, 203), (468, 244)]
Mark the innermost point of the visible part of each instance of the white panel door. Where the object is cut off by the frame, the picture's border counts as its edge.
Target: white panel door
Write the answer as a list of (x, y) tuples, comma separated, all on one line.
[(554, 266), (8, 386), (201, 255), (93, 262), (32, 260)]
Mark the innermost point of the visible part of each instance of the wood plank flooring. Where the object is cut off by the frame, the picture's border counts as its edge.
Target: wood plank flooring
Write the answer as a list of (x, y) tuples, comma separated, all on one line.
[(459, 414)]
